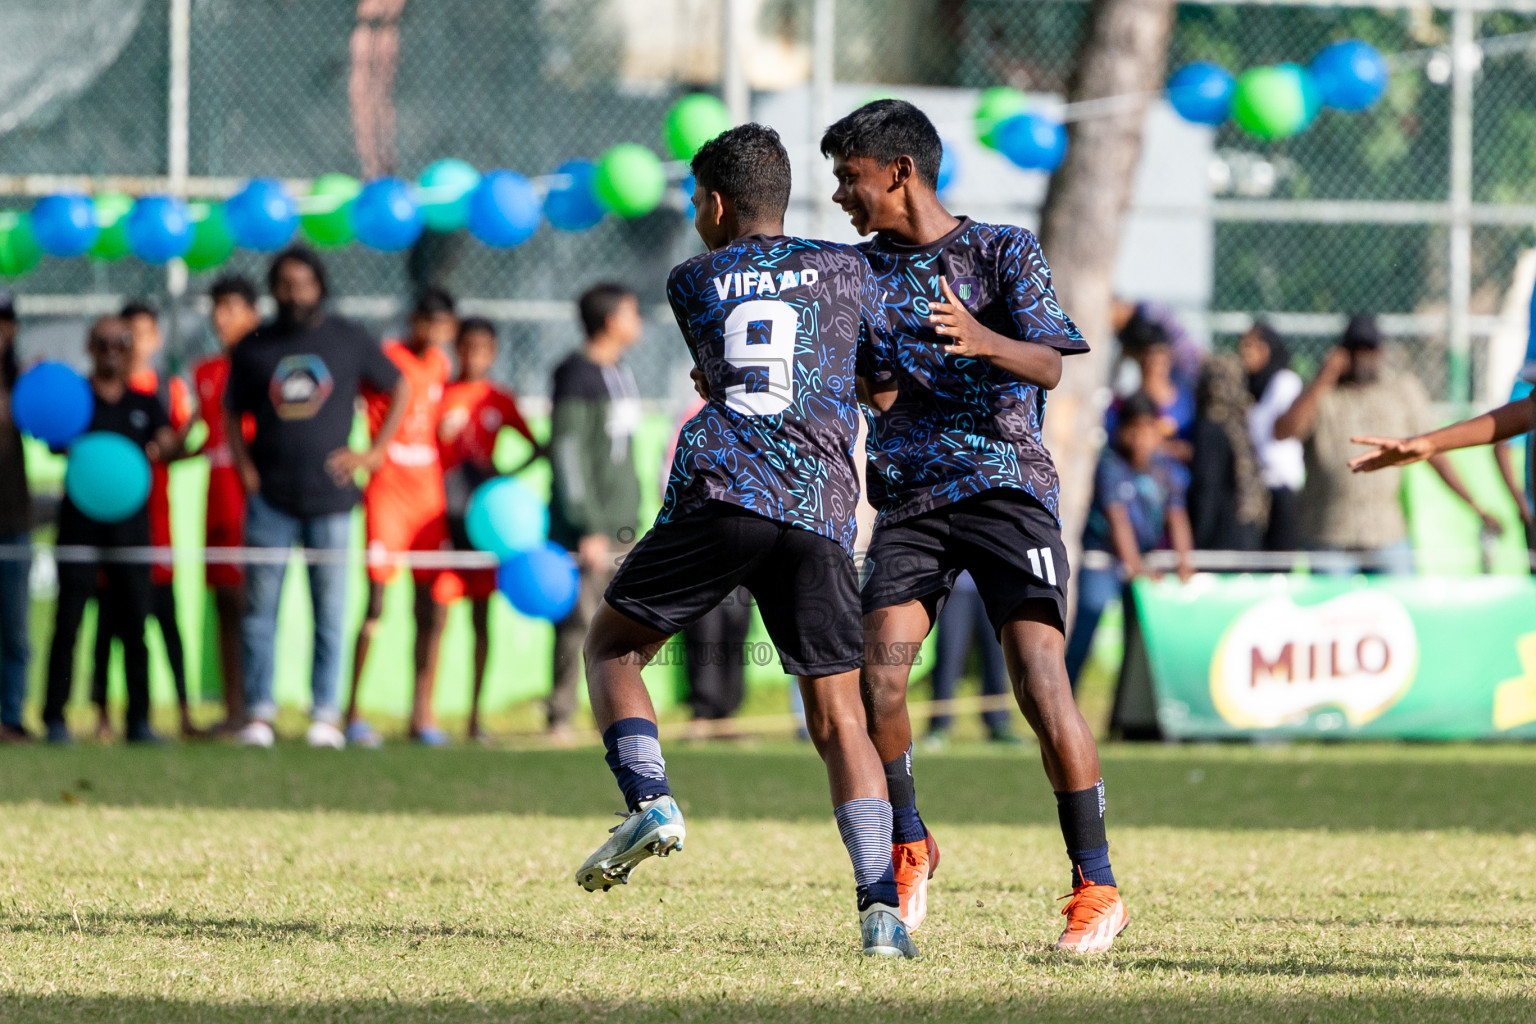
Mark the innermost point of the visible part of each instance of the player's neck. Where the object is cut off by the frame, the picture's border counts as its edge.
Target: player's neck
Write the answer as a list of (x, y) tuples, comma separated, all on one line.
[(771, 228), (925, 221)]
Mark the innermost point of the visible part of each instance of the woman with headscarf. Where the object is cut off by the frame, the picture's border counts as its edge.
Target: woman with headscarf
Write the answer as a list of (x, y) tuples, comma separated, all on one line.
[(1274, 387), (1228, 502)]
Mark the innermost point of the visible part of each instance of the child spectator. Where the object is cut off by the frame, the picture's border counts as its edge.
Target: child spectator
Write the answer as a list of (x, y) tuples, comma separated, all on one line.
[(1138, 506), (142, 419), (234, 316), (475, 411), (1274, 386)]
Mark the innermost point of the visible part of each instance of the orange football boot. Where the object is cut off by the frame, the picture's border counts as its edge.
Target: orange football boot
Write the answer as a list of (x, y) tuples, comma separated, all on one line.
[(915, 863), (1095, 917)]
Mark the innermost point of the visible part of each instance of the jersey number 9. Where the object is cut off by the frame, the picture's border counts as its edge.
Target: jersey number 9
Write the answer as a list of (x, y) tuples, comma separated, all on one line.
[(767, 356)]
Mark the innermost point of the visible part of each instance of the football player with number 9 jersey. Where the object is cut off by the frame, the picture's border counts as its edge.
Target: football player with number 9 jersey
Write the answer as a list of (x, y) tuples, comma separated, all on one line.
[(762, 495)]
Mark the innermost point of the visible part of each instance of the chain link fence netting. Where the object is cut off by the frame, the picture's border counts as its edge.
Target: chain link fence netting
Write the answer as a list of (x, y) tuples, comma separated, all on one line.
[(387, 86)]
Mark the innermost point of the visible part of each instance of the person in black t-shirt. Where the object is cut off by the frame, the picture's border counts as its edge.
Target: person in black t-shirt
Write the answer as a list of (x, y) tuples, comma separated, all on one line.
[(141, 419), (15, 532), (299, 377)]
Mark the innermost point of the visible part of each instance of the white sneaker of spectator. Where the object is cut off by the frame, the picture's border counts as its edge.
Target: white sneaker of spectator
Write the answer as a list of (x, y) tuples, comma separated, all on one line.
[(255, 734), (325, 734)]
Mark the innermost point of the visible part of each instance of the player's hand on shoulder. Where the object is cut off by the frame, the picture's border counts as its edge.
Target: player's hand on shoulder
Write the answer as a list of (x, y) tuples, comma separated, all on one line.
[(700, 382)]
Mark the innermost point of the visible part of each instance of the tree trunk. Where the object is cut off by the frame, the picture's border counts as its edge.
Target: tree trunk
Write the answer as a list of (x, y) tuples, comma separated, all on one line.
[(1123, 55)]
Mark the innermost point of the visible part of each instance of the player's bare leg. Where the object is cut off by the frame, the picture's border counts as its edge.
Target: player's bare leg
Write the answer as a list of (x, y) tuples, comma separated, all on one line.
[(430, 618), (1035, 648), (617, 648), (480, 618), (892, 637), (835, 719), (358, 732), (229, 605)]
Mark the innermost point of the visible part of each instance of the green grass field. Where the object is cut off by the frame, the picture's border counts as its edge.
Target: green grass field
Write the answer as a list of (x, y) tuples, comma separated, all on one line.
[(1265, 884)]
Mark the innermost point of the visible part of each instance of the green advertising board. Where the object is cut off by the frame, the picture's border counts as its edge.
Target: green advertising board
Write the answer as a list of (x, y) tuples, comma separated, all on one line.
[(1229, 657)]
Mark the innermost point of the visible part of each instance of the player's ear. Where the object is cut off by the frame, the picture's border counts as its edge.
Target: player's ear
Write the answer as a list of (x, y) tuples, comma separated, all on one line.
[(717, 208), (902, 170)]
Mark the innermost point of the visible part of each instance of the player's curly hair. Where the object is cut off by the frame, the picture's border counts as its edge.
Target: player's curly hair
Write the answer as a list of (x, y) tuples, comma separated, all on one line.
[(749, 166), (884, 130)]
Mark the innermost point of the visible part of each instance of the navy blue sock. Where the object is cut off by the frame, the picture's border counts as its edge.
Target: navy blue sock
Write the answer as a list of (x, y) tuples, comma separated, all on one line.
[(907, 826), (634, 757), (1082, 826)]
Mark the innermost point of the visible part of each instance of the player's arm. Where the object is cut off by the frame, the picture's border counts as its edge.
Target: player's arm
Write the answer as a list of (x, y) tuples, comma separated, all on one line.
[(875, 362), (1030, 361), (1506, 421), (1297, 421), (1505, 458)]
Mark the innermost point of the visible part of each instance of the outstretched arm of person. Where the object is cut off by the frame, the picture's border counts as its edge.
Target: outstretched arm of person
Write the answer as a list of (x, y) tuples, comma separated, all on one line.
[(1517, 417), (1183, 538), (1297, 421)]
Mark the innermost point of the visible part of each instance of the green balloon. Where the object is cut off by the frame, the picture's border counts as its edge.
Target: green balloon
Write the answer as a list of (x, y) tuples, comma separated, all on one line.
[(212, 242), (693, 121), (326, 219), (19, 251), (111, 217), (630, 180), (995, 106), (1270, 103)]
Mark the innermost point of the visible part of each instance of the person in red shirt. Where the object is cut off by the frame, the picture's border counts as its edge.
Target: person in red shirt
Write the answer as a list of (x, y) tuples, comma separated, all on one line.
[(475, 411), (234, 316), (174, 396), (406, 509)]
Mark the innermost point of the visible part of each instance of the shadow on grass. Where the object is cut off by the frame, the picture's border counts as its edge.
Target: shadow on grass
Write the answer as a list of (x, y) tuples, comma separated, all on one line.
[(871, 1005), (1405, 788)]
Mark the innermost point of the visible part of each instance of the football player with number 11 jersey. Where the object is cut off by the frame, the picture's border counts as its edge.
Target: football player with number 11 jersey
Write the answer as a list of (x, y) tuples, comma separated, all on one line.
[(962, 482), (762, 495)]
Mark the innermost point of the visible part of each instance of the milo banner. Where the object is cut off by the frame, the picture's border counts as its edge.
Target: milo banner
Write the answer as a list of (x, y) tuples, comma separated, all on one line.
[(1315, 656)]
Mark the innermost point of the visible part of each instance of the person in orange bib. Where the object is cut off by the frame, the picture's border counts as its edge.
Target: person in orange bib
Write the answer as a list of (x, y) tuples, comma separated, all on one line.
[(406, 510), (234, 316), (475, 411), (174, 396)]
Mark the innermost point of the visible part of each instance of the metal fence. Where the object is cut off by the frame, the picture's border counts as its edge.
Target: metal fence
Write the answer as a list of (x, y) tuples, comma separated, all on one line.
[(1416, 209)]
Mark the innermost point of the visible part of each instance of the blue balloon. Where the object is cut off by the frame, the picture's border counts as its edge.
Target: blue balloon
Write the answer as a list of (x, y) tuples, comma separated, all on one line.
[(1202, 92), (504, 517), (503, 209), (53, 403), (541, 583), (689, 183), (385, 215), (948, 167), (107, 476), (1032, 142), (574, 207), (64, 224), (1350, 75), (262, 215), (159, 228)]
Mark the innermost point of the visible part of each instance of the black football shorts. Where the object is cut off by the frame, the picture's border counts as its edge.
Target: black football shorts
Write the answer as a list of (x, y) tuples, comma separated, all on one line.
[(1004, 538), (805, 584)]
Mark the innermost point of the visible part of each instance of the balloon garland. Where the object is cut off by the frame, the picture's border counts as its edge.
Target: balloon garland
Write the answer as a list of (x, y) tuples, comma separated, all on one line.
[(503, 209)]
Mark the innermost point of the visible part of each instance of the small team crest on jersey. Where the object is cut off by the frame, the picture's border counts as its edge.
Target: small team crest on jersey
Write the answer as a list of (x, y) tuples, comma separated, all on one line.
[(966, 289)]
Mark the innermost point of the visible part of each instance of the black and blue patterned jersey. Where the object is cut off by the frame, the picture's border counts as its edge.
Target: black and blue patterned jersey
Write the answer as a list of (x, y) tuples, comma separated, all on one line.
[(959, 425), (781, 328)]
